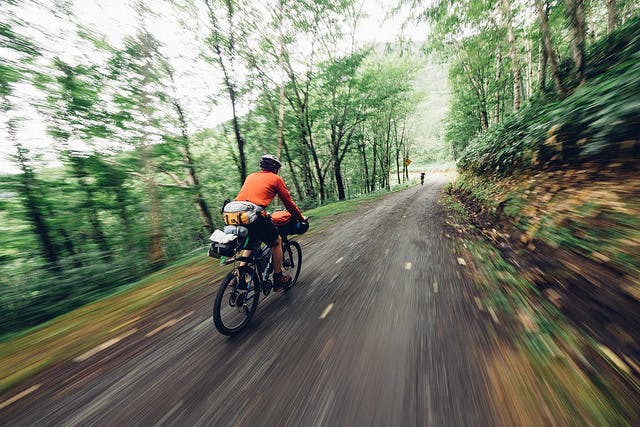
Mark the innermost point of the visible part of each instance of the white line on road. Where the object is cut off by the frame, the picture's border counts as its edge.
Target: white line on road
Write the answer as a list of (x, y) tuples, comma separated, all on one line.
[(19, 396), (326, 311), (168, 324), (338, 260), (103, 346), (407, 266), (435, 286)]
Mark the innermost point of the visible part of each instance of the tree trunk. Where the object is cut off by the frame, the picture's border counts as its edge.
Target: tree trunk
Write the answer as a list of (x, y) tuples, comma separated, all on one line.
[(496, 111), (33, 205), (242, 167), (575, 9), (320, 175), (192, 177), (228, 82), (307, 140), (338, 176), (484, 118), (281, 94), (612, 15), (542, 77), (387, 155), (121, 198), (529, 69), (373, 168), (156, 248), (513, 54), (398, 163), (365, 166), (543, 13), (294, 178), (97, 235), (200, 203), (307, 174), (156, 252), (480, 92), (68, 246)]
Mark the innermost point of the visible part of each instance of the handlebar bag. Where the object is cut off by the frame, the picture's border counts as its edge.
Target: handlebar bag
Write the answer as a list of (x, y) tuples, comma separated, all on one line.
[(281, 218)]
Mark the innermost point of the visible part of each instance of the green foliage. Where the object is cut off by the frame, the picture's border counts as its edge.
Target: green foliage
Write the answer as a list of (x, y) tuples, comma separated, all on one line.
[(593, 123), (137, 180)]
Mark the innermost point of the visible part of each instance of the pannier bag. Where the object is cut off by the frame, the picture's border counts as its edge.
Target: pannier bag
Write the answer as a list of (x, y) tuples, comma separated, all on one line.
[(223, 244), (240, 213)]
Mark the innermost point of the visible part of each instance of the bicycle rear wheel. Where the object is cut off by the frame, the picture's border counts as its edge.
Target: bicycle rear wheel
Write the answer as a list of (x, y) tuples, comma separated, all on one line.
[(292, 261), (236, 301)]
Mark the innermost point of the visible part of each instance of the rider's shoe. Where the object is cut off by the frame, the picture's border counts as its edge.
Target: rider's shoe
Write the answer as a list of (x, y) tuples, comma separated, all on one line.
[(280, 281)]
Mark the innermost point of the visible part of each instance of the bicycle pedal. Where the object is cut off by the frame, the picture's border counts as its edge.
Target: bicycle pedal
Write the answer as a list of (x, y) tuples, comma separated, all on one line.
[(266, 287)]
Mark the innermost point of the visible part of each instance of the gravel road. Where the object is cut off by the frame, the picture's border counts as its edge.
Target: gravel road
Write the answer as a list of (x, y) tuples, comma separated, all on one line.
[(399, 343)]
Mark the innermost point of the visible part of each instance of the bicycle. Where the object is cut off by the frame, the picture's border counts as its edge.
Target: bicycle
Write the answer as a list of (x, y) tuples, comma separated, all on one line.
[(239, 292)]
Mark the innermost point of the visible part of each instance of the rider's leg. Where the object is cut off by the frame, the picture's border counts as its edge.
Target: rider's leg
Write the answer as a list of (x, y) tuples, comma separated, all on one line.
[(276, 255), (246, 254)]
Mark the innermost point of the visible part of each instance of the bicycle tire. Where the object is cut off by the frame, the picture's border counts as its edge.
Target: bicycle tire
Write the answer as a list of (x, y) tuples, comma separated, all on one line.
[(223, 302), (292, 261)]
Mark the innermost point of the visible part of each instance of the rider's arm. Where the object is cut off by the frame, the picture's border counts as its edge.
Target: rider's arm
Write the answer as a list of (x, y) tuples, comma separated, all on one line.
[(284, 195)]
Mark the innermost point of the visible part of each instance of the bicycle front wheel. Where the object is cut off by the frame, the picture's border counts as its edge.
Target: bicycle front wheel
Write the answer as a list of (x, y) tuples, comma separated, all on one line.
[(292, 261), (236, 301)]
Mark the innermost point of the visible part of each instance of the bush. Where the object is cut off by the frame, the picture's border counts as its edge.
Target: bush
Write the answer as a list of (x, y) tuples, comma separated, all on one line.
[(599, 121)]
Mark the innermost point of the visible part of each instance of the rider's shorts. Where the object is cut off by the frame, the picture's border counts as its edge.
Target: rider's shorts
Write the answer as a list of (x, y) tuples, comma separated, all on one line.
[(262, 229)]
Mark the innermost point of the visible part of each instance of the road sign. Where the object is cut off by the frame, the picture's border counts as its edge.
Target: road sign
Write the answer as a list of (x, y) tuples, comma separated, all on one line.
[(407, 162)]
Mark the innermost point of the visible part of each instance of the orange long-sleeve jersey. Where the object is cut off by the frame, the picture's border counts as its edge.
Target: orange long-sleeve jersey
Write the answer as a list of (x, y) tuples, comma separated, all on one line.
[(261, 187)]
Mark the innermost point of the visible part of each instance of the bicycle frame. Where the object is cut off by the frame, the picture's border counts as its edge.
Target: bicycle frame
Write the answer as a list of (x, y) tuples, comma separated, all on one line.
[(251, 262)]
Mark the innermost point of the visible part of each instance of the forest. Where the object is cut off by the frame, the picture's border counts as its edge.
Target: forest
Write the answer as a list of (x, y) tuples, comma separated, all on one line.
[(120, 150), (503, 289), (115, 165)]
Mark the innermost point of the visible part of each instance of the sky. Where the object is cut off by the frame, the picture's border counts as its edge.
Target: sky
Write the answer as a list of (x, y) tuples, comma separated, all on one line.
[(197, 81)]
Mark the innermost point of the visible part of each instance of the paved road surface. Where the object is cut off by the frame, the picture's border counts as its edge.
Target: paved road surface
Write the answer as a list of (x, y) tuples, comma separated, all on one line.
[(399, 347)]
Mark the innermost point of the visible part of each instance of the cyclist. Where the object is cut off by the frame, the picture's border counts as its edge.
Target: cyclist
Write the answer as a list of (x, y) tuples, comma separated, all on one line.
[(260, 188)]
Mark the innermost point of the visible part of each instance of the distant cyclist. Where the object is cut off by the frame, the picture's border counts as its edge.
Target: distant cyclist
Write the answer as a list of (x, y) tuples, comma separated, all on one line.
[(422, 178), (260, 188)]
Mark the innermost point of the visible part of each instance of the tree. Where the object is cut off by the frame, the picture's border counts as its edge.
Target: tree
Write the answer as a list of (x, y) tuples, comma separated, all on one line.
[(515, 64), (223, 42), (612, 15), (11, 73), (575, 11), (183, 143), (139, 67), (550, 56), (74, 112)]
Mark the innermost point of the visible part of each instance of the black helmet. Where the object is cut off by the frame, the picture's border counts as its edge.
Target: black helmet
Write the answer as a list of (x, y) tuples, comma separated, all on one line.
[(270, 162)]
